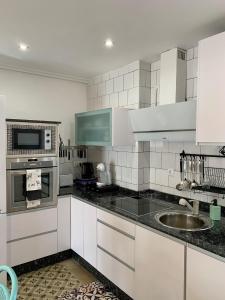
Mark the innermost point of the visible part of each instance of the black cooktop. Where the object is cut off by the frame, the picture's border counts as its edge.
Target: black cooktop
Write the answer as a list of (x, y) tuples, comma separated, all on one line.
[(138, 206)]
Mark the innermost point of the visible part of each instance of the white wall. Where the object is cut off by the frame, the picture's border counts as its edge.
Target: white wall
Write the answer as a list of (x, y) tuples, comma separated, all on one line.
[(42, 98)]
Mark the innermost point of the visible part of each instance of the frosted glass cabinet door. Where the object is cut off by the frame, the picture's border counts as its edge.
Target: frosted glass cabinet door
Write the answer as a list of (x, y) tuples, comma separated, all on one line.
[(94, 128)]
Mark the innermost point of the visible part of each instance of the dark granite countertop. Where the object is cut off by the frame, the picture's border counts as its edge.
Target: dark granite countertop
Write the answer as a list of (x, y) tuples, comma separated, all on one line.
[(141, 208)]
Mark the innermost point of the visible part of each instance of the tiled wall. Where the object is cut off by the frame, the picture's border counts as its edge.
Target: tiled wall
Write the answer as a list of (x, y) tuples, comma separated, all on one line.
[(127, 87), (146, 165)]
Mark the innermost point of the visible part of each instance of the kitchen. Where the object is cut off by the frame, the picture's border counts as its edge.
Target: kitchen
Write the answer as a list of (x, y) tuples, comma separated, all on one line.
[(112, 164)]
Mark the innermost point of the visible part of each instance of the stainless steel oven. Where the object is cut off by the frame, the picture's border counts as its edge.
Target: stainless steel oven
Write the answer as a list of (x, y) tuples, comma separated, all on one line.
[(17, 194)]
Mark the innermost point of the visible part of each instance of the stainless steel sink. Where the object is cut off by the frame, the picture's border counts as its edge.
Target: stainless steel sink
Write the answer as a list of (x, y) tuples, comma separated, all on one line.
[(183, 221)]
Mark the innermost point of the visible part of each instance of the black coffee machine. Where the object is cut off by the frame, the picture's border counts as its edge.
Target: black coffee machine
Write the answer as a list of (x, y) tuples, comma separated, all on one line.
[(87, 170)]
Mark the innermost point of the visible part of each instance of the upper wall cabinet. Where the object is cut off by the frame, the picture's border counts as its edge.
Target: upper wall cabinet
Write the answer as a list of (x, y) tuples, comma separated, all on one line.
[(105, 127), (211, 90)]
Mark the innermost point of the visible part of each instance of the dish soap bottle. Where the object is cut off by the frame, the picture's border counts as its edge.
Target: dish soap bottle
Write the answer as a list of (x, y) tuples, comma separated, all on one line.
[(215, 211)]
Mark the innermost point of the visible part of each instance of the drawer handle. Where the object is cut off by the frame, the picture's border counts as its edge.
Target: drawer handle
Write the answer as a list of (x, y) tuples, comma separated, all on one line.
[(31, 236), (116, 258), (116, 229)]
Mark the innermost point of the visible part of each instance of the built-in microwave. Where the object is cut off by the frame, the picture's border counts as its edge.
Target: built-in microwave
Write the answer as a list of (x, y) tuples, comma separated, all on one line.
[(31, 138)]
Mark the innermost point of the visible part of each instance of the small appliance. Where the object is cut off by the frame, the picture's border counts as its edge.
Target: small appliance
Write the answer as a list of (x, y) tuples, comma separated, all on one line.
[(104, 175)]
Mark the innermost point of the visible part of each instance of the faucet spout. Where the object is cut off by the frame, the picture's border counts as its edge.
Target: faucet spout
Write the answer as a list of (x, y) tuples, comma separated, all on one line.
[(194, 209)]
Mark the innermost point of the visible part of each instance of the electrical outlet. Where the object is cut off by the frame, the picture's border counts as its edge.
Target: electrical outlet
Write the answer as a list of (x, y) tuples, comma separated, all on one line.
[(171, 172)]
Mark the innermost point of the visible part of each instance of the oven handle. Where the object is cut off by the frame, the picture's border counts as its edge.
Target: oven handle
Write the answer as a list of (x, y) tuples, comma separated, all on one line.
[(23, 172)]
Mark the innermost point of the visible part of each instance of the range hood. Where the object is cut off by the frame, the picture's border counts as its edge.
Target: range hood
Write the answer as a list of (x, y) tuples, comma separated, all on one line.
[(173, 119), (172, 122)]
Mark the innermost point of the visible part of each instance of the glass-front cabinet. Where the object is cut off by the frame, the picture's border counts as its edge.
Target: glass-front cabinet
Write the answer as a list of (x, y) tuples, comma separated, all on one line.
[(104, 127)]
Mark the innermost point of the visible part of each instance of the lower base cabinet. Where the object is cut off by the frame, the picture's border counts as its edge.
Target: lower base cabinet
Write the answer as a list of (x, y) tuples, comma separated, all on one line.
[(205, 277), (63, 211), (159, 267), (116, 272), (3, 259), (83, 230)]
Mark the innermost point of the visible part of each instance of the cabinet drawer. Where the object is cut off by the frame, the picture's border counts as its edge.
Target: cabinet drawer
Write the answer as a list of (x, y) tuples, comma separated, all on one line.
[(115, 271), (117, 222), (31, 223), (28, 249), (119, 245)]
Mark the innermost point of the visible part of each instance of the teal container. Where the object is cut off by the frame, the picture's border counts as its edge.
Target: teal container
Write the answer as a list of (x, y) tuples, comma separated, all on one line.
[(215, 211)]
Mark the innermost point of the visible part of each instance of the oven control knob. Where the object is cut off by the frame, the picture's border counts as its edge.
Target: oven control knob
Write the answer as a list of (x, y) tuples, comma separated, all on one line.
[(47, 134), (47, 141)]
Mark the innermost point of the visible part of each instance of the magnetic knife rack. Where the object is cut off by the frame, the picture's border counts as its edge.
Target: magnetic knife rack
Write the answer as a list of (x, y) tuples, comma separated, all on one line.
[(216, 176)]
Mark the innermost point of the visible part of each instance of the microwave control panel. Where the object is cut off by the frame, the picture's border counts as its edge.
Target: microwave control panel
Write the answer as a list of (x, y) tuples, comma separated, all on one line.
[(48, 139)]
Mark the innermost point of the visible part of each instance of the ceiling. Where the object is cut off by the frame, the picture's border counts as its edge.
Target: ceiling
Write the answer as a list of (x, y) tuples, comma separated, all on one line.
[(67, 36)]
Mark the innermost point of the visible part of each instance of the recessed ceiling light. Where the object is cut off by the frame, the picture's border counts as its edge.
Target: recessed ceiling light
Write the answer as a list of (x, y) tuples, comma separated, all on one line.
[(23, 47), (108, 43)]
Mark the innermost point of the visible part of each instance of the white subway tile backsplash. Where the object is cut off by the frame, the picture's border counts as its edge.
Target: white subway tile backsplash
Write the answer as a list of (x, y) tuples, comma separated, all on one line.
[(122, 158), (105, 101), (109, 86), (123, 98), (127, 175), (136, 78), (155, 160), (129, 81), (148, 79), (118, 84), (112, 157), (113, 74), (154, 79), (114, 99), (101, 89), (146, 175), (133, 95), (161, 177), (168, 161)]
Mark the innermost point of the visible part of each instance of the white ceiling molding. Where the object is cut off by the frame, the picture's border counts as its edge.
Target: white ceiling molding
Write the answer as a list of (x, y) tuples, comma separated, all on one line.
[(44, 73)]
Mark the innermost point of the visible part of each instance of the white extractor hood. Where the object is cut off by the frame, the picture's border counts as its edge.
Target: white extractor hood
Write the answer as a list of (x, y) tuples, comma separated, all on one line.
[(172, 122), (173, 119)]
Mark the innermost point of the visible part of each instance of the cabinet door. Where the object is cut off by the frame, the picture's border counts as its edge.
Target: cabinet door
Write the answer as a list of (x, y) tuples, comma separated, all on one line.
[(205, 277), (94, 128), (64, 223), (3, 259), (77, 231), (90, 240), (159, 267), (211, 90)]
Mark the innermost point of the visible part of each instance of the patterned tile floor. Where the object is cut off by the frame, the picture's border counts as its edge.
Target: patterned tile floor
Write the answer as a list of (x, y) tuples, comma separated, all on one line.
[(51, 282)]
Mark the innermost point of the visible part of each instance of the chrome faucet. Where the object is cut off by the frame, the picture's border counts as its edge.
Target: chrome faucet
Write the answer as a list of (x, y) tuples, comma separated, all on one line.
[(194, 209)]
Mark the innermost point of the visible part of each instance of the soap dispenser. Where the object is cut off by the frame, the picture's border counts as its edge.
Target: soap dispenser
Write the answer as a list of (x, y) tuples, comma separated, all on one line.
[(215, 211)]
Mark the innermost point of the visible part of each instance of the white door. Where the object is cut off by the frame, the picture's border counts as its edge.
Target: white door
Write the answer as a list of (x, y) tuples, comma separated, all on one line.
[(205, 277), (159, 267), (64, 223), (211, 90), (77, 229), (90, 239)]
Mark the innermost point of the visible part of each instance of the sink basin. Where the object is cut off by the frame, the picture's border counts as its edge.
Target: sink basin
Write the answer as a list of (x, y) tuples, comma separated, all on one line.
[(183, 221)]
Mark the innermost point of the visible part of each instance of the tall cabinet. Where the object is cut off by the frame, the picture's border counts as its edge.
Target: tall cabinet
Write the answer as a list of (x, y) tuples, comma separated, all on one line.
[(211, 90)]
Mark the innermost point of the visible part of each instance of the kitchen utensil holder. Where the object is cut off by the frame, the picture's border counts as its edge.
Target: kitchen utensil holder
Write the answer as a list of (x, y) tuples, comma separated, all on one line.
[(213, 179)]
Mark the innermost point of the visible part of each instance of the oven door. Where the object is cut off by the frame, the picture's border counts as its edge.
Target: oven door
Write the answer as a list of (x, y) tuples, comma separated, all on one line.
[(17, 194)]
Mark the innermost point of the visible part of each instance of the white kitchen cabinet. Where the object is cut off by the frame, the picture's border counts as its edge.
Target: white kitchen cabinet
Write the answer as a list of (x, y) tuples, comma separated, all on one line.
[(104, 127), (64, 223), (205, 277), (89, 221), (77, 226), (3, 255), (83, 230), (115, 271), (115, 252), (31, 235), (159, 267), (29, 249), (211, 90)]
